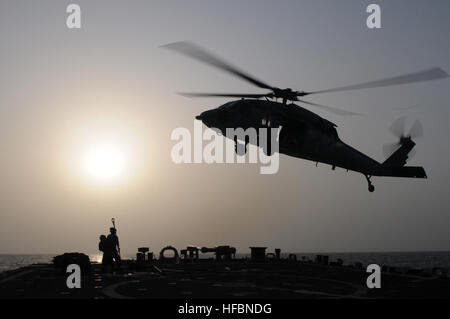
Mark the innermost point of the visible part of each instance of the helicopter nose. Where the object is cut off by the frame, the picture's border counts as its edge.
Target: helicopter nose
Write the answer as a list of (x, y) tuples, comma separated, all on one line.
[(207, 117)]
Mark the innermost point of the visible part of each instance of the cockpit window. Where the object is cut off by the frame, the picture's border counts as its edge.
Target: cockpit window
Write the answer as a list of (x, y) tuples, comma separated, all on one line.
[(227, 106)]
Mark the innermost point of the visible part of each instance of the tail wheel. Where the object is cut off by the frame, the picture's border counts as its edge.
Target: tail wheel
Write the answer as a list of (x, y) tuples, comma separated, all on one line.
[(369, 182)]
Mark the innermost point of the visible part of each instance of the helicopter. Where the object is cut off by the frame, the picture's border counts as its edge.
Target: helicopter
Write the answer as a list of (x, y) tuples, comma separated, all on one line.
[(302, 133)]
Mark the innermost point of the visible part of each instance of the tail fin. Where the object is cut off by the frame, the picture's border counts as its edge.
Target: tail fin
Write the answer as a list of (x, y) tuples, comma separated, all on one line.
[(399, 157), (395, 164)]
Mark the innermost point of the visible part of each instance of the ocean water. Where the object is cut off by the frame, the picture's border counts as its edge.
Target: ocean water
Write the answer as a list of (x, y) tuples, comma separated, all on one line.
[(10, 262), (424, 260)]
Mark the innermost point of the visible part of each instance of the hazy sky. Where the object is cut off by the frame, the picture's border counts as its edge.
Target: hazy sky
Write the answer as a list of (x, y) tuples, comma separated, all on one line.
[(64, 91)]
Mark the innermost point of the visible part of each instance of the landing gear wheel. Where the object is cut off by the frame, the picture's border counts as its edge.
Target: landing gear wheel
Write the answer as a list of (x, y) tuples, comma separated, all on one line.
[(371, 187), (266, 147), (268, 150), (239, 148)]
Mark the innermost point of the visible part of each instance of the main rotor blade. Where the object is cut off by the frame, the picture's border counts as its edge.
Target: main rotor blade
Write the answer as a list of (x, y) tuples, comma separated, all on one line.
[(334, 110), (426, 75), (200, 54), (256, 96)]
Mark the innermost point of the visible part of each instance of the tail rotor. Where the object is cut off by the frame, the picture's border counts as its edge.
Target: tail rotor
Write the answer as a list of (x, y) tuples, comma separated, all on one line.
[(398, 129)]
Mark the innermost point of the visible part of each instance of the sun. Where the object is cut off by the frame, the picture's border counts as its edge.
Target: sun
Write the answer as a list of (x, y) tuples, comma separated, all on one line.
[(104, 161)]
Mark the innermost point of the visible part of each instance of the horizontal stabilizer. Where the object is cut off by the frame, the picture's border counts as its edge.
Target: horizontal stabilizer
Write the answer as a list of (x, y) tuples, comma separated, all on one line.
[(408, 171)]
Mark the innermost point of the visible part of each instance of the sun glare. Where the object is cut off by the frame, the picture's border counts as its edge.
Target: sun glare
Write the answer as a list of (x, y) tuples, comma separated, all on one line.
[(104, 162)]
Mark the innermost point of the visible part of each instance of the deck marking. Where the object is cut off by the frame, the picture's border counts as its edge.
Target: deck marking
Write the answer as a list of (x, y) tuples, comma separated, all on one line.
[(110, 291)]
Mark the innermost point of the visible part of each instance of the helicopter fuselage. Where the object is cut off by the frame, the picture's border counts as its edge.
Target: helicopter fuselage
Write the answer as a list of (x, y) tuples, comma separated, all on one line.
[(303, 134)]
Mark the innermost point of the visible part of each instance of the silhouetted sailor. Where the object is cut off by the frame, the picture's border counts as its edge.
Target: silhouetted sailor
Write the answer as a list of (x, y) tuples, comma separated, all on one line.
[(106, 247), (112, 237)]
